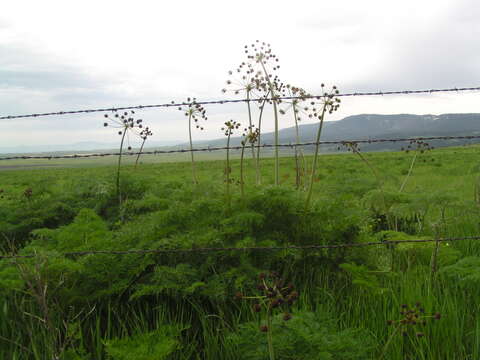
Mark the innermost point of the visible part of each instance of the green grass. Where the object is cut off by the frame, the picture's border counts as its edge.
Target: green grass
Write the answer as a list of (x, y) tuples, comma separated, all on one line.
[(99, 304)]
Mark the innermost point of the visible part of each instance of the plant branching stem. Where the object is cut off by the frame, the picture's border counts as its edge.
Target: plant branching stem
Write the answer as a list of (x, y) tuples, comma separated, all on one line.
[(140, 152), (227, 171), (388, 343), (371, 167), (379, 181), (242, 191), (409, 171), (250, 121), (275, 114), (119, 195), (257, 174), (315, 158), (271, 352), (299, 158), (194, 177), (435, 256)]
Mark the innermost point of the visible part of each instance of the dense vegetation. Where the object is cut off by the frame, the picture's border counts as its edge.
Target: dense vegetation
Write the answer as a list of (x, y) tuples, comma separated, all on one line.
[(409, 301)]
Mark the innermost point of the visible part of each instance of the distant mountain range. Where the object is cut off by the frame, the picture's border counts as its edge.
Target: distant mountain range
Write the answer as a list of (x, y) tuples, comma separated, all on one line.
[(357, 127), (76, 147), (373, 126)]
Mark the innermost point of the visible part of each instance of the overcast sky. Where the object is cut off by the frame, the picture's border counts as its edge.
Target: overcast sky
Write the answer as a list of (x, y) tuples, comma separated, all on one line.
[(63, 55)]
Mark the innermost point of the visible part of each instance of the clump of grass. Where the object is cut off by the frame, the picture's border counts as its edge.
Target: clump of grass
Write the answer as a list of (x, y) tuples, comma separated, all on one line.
[(196, 112), (125, 123)]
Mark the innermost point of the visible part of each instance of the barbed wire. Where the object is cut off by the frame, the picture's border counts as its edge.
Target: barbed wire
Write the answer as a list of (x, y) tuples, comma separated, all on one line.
[(291, 145), (244, 249), (226, 101)]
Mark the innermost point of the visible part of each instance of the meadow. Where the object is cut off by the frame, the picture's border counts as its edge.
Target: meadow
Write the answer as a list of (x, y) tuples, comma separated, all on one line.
[(404, 301)]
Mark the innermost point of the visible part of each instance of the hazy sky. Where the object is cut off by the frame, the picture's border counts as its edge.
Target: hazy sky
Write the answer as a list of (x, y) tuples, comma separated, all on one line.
[(62, 55)]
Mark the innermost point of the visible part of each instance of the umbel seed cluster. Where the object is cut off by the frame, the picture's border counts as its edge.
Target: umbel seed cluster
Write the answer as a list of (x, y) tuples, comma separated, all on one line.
[(274, 295), (413, 319), (126, 122)]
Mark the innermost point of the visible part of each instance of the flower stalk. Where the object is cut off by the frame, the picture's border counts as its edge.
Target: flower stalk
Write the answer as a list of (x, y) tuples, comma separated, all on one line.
[(329, 104)]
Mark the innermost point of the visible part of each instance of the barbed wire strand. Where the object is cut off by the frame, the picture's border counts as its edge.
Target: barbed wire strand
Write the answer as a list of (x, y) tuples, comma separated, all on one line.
[(291, 145), (226, 101), (244, 249)]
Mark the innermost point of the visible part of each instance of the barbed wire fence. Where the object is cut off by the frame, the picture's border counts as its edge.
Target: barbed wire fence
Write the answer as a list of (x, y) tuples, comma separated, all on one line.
[(231, 101), (291, 145), (244, 249)]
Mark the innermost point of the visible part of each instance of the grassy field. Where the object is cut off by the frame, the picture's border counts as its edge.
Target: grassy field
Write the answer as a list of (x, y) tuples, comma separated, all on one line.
[(409, 301)]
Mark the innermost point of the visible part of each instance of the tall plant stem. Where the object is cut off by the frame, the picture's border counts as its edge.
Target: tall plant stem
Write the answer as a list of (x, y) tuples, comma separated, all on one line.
[(434, 259), (250, 121), (371, 167), (379, 181), (315, 158), (271, 352), (275, 114), (298, 152), (118, 167), (409, 171), (139, 153), (191, 148), (388, 343), (258, 179), (227, 172), (242, 192), (297, 170), (380, 184)]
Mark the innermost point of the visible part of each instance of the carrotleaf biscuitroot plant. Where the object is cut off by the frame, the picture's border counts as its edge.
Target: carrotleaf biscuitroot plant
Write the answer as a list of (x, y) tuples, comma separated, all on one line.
[(244, 81), (250, 136), (194, 112), (298, 97), (412, 324), (228, 130), (144, 134), (125, 123), (261, 106), (274, 296), (328, 103), (419, 147), (264, 64), (355, 149)]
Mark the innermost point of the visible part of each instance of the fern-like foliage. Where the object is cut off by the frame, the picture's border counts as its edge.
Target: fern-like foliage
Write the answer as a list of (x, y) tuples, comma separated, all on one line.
[(154, 345), (306, 336)]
